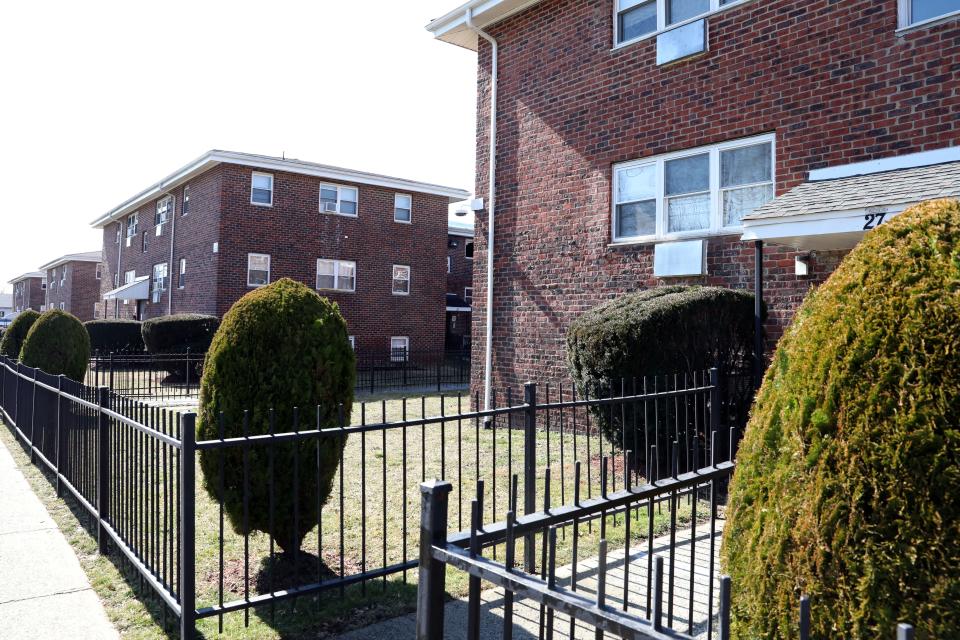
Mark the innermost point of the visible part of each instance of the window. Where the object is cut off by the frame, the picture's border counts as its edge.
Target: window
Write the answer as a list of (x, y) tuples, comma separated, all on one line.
[(119, 232), (340, 275), (258, 269), (353, 342), (449, 264), (920, 11), (164, 213), (399, 349), (132, 226), (637, 19), (185, 206), (261, 189), (468, 295), (697, 192), (63, 275), (468, 250), (129, 277), (182, 279), (159, 282), (99, 274), (402, 206), (401, 280), (338, 199), (62, 307), (143, 242)]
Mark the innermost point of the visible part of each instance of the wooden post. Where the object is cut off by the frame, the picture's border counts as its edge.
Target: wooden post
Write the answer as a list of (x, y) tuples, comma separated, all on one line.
[(431, 583)]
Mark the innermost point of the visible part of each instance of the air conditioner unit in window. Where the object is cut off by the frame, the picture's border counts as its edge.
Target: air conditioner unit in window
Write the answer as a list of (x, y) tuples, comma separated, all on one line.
[(329, 207)]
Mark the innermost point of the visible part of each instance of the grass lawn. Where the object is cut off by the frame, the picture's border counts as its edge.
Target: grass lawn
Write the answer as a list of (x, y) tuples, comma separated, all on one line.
[(380, 489)]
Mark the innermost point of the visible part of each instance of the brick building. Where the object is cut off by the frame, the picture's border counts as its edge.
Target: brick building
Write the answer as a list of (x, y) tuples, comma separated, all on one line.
[(73, 284), (229, 222), (459, 286), (648, 142), (29, 291)]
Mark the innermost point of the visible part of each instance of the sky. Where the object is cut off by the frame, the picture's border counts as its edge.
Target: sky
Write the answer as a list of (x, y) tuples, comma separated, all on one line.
[(101, 99)]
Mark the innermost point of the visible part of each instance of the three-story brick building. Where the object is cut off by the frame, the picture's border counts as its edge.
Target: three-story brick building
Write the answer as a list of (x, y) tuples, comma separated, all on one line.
[(643, 142), (29, 292), (459, 285), (73, 284), (229, 222)]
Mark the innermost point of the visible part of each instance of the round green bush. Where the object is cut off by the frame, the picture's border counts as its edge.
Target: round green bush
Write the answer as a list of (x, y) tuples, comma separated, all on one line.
[(657, 332), (115, 336), (179, 333), (280, 347), (57, 344), (847, 478), (16, 333)]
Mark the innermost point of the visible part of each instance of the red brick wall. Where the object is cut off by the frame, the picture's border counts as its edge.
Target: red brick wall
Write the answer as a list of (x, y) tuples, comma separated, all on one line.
[(296, 234), (461, 267), (80, 291), (29, 294), (832, 79)]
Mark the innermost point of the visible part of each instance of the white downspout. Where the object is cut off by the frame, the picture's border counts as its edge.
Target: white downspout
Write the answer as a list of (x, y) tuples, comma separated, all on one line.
[(491, 206)]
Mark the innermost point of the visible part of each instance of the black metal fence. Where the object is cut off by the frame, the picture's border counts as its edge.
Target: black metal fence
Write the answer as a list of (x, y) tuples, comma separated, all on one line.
[(133, 467), (173, 377)]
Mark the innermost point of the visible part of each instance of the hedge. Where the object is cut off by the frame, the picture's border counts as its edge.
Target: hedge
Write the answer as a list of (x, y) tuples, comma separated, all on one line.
[(57, 344), (846, 481), (115, 336), (662, 331), (179, 333), (281, 346), (16, 333)]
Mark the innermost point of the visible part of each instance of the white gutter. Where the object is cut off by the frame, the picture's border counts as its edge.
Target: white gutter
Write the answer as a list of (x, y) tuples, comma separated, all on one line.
[(492, 162)]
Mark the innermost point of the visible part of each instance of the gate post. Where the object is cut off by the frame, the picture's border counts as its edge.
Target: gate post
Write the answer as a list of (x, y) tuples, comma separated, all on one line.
[(188, 550), (529, 469), (432, 573)]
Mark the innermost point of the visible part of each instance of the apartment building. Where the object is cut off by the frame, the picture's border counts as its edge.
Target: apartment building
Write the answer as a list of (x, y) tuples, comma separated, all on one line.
[(29, 292), (73, 284), (229, 222), (648, 142), (459, 286)]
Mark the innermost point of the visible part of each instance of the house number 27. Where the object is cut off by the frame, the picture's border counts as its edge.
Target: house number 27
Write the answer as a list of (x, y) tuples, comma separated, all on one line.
[(873, 220)]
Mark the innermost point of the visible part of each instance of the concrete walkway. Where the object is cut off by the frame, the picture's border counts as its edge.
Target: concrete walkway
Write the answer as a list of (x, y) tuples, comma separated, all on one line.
[(527, 614), (44, 592)]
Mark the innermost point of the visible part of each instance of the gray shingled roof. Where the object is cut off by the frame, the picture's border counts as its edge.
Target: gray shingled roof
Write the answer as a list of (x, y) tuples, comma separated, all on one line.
[(87, 256), (902, 186)]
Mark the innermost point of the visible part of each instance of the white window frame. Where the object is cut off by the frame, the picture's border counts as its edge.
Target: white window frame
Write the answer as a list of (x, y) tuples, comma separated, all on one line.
[(269, 266), (158, 286), (185, 203), (166, 208), (255, 174), (353, 342), (716, 192), (905, 17), (99, 272), (396, 206), (662, 7), (63, 275), (336, 275), (465, 245), (394, 357), (449, 264), (62, 307), (338, 187), (468, 297), (132, 229), (182, 275), (394, 279)]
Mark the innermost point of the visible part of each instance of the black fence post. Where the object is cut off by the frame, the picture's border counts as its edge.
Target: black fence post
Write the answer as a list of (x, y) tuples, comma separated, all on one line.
[(529, 469), (16, 397), (103, 469), (59, 424), (433, 532), (188, 550), (715, 405), (189, 364), (33, 418), (110, 384), (724, 607), (440, 374)]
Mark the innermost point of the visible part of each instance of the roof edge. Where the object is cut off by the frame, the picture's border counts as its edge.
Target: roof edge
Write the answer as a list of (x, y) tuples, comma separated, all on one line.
[(452, 28), (86, 256)]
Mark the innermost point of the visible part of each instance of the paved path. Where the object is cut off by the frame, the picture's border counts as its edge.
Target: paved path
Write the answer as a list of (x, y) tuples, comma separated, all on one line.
[(44, 592), (527, 614)]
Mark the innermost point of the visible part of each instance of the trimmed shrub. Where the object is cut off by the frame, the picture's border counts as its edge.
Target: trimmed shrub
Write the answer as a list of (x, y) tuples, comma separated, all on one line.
[(115, 336), (16, 333), (57, 344), (847, 476), (177, 334), (280, 347), (663, 331)]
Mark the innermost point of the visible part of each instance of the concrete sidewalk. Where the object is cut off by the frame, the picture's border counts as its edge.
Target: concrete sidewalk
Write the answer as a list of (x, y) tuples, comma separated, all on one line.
[(44, 592)]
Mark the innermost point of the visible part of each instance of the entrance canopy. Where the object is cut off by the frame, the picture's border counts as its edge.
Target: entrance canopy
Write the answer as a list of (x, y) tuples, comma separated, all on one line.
[(835, 212), (139, 289)]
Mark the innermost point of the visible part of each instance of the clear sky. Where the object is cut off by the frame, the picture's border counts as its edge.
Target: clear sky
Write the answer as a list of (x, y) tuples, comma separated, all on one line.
[(100, 99)]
